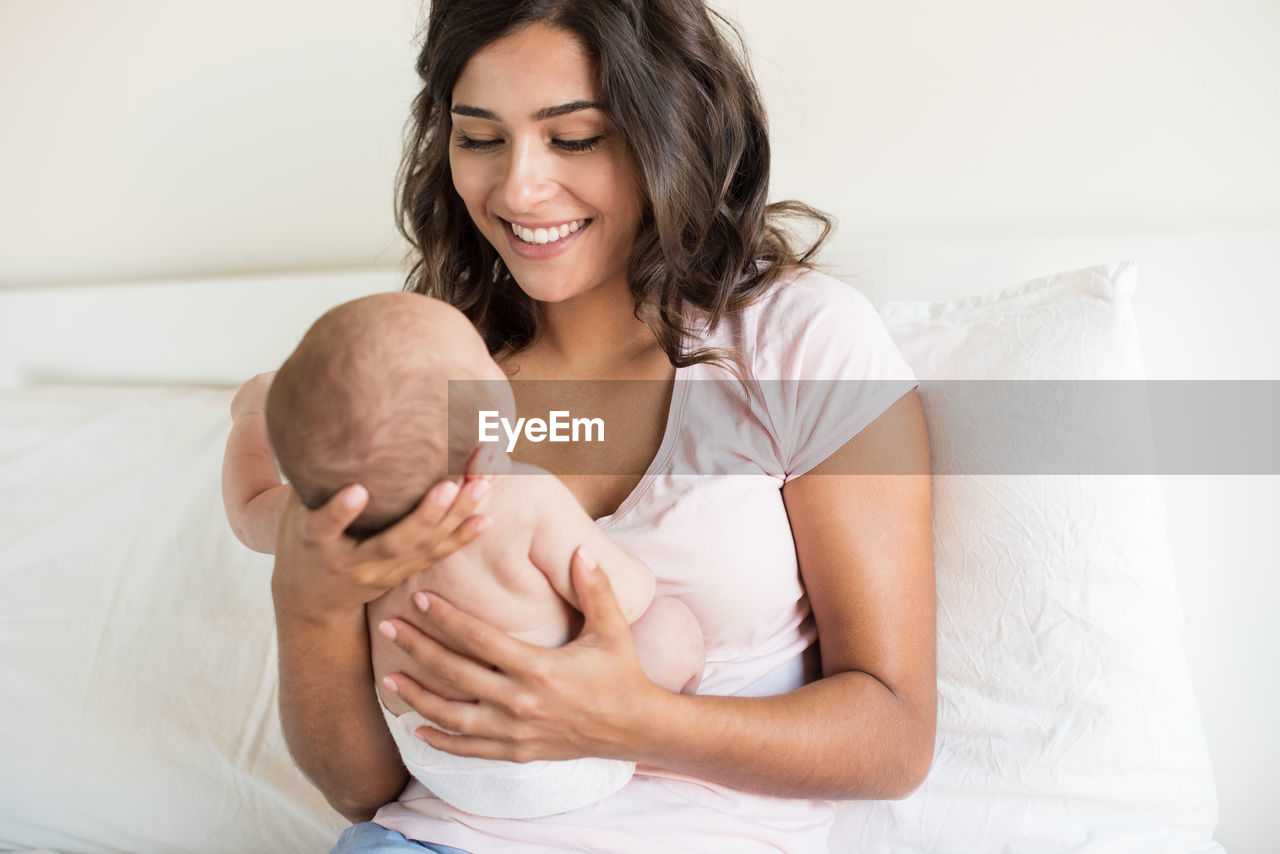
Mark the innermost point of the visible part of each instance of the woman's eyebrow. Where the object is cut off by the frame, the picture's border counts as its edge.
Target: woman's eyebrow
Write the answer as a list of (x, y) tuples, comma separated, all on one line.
[(544, 113)]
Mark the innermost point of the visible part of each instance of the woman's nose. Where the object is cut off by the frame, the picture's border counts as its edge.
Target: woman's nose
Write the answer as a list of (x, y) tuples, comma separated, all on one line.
[(529, 180)]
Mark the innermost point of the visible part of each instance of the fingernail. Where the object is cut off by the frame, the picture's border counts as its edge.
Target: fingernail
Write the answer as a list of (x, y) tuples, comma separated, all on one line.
[(483, 524), (354, 496), (478, 489), (391, 684), (420, 599), (418, 734), (387, 629), (589, 562), (444, 493)]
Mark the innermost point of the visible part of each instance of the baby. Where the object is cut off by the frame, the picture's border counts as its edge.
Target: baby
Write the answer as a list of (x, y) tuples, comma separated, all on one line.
[(366, 398)]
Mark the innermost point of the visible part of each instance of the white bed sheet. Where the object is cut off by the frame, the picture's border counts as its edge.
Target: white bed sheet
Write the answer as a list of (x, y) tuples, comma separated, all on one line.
[(138, 679)]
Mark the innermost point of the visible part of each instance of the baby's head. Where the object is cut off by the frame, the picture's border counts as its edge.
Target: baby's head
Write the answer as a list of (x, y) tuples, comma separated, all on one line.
[(365, 399)]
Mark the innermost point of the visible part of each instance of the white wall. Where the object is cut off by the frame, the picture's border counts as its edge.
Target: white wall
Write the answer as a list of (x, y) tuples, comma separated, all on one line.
[(1024, 116), (150, 138), (146, 138)]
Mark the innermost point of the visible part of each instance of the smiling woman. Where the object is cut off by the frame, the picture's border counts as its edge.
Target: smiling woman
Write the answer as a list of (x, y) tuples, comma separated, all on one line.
[(562, 168), (587, 181), (599, 117)]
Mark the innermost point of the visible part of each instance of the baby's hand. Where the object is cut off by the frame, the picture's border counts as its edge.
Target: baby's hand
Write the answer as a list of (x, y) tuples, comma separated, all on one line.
[(252, 396)]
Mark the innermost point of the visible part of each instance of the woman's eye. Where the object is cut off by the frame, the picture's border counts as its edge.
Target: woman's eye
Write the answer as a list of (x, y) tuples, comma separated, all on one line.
[(578, 144), (470, 144), (573, 145)]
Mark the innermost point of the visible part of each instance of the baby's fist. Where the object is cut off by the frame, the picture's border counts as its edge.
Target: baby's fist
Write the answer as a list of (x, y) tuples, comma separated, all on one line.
[(252, 396)]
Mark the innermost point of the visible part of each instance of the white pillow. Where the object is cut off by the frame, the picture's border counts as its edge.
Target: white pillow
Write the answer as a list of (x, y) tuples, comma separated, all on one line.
[(1066, 719)]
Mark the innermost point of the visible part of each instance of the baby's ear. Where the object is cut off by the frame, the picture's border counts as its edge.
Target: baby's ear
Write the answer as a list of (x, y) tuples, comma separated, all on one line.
[(488, 462)]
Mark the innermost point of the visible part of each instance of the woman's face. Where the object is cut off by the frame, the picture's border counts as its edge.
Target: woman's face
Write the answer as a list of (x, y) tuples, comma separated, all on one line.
[(541, 170)]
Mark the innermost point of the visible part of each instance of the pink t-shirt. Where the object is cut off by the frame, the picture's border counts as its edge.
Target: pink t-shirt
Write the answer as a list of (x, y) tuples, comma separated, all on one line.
[(721, 542)]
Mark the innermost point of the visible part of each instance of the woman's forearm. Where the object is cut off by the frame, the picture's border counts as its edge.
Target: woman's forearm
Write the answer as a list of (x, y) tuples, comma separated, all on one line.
[(322, 579), (329, 711), (847, 736)]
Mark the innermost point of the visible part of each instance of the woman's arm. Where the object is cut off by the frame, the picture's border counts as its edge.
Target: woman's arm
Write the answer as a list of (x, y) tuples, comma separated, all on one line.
[(865, 546), (865, 730), (321, 583)]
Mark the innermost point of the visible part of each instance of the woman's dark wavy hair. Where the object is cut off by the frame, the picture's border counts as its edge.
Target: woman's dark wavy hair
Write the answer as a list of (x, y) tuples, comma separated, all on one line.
[(686, 104)]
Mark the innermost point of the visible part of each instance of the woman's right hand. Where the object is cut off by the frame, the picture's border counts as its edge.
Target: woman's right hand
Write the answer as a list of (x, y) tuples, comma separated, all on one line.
[(321, 583), (322, 575)]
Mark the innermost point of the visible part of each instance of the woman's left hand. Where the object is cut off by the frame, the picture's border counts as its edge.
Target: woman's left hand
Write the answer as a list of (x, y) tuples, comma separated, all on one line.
[(589, 697)]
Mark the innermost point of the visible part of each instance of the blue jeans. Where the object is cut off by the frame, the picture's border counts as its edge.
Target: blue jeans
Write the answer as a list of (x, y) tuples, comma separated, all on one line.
[(370, 838)]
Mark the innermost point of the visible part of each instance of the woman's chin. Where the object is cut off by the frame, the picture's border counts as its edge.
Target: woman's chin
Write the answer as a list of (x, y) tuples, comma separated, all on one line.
[(544, 286), (549, 295)]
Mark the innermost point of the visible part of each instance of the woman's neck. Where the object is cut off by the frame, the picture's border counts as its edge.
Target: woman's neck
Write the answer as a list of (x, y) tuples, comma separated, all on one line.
[(595, 336)]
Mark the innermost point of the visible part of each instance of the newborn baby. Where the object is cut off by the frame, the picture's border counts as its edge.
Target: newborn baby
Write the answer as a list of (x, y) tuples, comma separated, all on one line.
[(366, 398)]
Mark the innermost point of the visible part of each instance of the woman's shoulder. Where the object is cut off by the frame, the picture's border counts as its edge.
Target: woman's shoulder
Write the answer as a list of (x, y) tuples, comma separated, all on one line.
[(805, 296), (812, 325)]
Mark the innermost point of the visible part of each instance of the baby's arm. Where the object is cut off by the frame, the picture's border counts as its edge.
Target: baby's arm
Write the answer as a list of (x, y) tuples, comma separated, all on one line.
[(562, 526), (252, 490), (667, 637)]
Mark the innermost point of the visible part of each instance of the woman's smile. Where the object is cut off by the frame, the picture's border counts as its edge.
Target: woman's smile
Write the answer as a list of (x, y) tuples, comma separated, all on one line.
[(544, 242), (546, 233)]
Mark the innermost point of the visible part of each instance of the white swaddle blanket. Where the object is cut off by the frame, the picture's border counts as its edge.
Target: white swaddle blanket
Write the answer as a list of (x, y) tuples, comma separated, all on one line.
[(500, 789)]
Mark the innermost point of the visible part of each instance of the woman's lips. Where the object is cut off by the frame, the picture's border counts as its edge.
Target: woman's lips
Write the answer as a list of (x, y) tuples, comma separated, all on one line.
[(540, 234), (550, 249)]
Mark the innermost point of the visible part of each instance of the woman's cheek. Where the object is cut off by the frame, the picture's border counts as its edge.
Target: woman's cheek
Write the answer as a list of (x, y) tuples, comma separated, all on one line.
[(468, 179)]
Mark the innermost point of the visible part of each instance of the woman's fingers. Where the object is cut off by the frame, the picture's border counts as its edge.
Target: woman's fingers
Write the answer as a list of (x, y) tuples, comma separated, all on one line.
[(600, 611), (466, 745), (452, 674), (326, 524), (471, 637), (490, 695), (435, 525), (459, 727), (454, 715), (469, 529)]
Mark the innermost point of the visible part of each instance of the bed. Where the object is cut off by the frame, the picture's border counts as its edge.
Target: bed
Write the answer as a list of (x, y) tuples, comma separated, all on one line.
[(137, 699)]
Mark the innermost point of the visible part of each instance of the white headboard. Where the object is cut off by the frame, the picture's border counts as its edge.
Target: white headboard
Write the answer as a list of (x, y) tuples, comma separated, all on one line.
[(1205, 305)]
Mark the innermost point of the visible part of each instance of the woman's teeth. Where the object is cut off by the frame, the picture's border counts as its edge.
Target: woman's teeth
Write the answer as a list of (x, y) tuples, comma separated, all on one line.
[(539, 236)]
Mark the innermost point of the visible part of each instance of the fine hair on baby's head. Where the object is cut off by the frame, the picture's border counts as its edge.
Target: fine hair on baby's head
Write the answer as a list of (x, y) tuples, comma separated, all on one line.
[(365, 398)]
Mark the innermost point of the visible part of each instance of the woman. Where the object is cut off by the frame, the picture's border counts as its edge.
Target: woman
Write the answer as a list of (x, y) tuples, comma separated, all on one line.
[(587, 181)]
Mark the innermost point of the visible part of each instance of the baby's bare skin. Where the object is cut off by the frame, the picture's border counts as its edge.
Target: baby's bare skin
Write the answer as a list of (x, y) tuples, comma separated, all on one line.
[(517, 578)]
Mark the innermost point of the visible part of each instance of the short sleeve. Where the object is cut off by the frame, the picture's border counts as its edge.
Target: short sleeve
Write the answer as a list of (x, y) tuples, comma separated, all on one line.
[(824, 367)]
